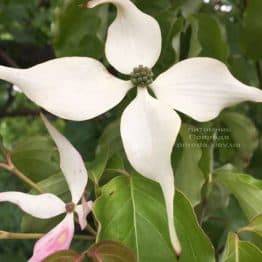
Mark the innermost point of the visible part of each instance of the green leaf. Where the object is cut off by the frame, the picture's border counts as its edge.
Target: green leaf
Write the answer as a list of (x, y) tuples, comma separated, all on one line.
[(97, 167), (187, 167), (244, 134), (56, 185), (35, 157), (111, 137), (132, 210), (208, 38), (254, 226), (63, 256), (188, 7), (244, 70), (245, 188), (78, 31), (153, 7), (84, 136), (171, 27), (110, 251), (240, 251), (252, 30)]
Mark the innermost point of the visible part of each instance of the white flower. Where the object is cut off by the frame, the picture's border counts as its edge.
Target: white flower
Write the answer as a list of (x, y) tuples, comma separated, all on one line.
[(80, 88), (48, 205)]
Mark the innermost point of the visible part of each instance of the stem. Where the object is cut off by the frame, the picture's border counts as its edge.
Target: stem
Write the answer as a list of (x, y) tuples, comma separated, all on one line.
[(26, 180), (11, 235)]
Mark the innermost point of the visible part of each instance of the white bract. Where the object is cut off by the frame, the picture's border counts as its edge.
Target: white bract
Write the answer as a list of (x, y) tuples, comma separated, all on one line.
[(48, 205), (78, 88)]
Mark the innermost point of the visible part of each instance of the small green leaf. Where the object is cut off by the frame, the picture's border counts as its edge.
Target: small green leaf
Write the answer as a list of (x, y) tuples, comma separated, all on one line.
[(110, 251), (56, 185), (245, 188), (63, 256), (35, 157), (254, 226), (240, 251), (132, 210), (187, 167), (252, 30)]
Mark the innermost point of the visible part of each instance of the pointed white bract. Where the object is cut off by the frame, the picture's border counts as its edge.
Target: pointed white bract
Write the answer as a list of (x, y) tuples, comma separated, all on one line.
[(201, 88), (79, 88), (48, 205), (75, 88), (149, 130), (71, 163), (134, 38), (41, 206)]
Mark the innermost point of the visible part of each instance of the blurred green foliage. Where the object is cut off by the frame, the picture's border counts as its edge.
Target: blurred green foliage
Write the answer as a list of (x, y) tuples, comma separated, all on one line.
[(32, 31)]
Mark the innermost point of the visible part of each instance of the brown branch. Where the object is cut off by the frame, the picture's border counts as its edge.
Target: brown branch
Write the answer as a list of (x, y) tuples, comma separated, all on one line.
[(20, 113)]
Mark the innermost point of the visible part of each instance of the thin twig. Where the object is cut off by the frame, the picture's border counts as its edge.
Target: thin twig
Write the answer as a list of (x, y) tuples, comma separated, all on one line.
[(12, 235)]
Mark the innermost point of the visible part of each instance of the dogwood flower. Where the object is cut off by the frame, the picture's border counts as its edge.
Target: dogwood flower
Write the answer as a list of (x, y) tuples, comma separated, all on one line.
[(79, 88), (47, 205)]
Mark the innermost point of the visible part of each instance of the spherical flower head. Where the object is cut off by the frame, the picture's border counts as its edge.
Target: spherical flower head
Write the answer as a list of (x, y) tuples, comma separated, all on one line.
[(142, 76)]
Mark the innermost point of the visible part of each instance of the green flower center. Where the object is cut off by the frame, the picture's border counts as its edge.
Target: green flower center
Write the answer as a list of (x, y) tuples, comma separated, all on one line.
[(70, 207), (142, 76)]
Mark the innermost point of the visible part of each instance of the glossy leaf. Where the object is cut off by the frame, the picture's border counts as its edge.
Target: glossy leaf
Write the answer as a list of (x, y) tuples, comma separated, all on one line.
[(35, 157), (131, 210), (63, 256), (110, 251), (188, 176), (240, 251), (245, 188)]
